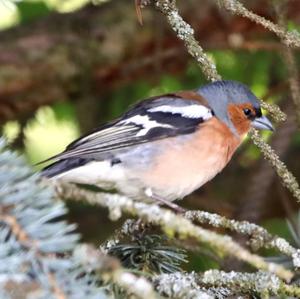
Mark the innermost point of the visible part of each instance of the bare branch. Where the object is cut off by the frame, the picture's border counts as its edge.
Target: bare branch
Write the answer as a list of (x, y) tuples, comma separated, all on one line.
[(182, 286), (171, 224), (288, 179), (288, 56), (289, 38), (186, 33), (293, 79), (261, 282), (276, 113), (259, 237), (189, 285)]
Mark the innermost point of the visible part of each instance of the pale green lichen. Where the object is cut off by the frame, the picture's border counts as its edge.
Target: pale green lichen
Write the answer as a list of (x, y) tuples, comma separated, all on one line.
[(182, 286), (259, 237), (173, 224), (263, 283), (275, 111), (186, 33), (220, 284), (288, 179)]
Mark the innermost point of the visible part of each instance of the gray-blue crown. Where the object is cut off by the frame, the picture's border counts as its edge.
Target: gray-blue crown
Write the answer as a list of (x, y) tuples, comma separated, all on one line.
[(220, 93)]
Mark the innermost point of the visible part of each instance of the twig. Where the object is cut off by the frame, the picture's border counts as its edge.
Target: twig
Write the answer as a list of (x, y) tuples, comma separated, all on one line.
[(16, 228), (111, 271), (186, 33), (293, 79), (261, 282), (276, 113), (287, 178), (57, 291), (259, 237), (289, 38), (181, 285), (288, 56), (171, 224)]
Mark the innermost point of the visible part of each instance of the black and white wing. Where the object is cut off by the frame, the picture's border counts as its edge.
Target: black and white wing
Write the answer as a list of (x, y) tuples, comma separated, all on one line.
[(156, 118)]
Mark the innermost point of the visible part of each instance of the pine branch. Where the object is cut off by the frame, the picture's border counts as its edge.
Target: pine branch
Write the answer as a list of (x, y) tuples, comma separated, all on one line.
[(140, 246), (35, 246), (149, 253), (39, 254)]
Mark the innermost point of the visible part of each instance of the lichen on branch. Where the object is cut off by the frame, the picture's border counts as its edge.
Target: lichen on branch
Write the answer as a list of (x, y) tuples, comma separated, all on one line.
[(259, 237), (171, 224), (287, 178), (186, 33), (220, 284)]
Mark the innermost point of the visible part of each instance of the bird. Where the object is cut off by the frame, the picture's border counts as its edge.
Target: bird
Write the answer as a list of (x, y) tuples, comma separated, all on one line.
[(164, 147)]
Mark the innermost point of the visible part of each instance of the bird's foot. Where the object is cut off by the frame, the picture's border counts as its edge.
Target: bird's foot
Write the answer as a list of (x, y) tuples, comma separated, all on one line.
[(176, 208)]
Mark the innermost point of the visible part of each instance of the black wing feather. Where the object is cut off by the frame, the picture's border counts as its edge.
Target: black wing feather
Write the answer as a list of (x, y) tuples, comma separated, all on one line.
[(123, 133)]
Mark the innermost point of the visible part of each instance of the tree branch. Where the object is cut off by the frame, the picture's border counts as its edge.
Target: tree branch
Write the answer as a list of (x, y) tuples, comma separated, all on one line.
[(288, 56), (289, 38), (111, 271), (189, 285), (185, 32), (264, 283), (259, 237), (171, 224), (287, 178)]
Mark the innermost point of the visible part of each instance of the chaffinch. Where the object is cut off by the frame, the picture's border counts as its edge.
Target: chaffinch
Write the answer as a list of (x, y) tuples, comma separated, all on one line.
[(164, 147)]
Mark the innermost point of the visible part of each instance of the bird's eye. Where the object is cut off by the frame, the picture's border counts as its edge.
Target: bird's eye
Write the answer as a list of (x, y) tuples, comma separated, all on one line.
[(247, 111)]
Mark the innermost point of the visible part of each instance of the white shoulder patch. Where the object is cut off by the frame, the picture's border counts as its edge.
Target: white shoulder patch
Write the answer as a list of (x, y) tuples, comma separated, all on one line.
[(143, 120), (191, 111)]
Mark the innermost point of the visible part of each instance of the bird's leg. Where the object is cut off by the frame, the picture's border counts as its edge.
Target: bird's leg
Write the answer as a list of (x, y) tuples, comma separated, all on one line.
[(165, 202)]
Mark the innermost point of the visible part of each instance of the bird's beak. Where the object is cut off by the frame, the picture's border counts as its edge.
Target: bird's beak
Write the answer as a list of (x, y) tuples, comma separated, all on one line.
[(262, 123)]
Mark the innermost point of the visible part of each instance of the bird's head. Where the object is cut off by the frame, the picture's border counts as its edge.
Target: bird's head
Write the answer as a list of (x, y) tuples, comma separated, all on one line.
[(235, 105)]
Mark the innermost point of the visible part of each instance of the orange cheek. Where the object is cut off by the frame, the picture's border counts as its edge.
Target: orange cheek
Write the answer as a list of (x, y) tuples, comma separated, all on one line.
[(243, 126), (239, 120)]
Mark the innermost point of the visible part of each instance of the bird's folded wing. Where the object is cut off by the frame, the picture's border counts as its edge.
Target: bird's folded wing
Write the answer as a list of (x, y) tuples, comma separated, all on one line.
[(156, 118)]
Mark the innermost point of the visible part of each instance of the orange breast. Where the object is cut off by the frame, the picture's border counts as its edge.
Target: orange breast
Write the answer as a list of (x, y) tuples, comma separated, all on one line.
[(192, 161)]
